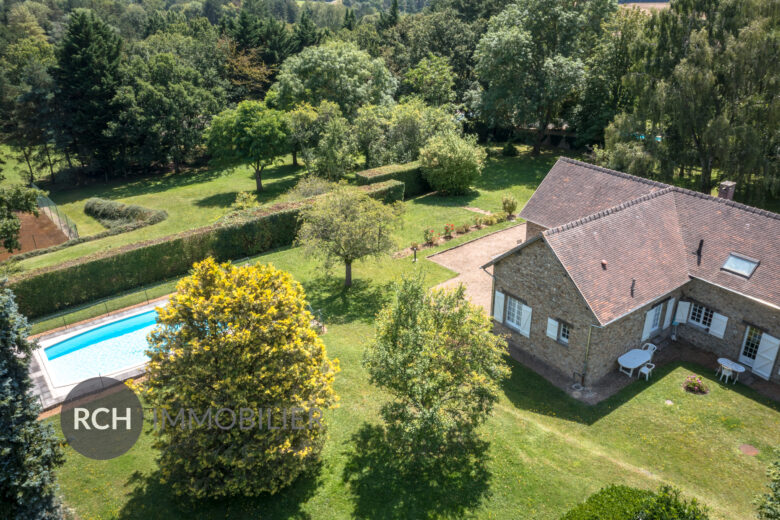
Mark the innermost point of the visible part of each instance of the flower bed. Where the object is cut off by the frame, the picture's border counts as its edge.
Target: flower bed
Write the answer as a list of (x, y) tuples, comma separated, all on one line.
[(695, 385)]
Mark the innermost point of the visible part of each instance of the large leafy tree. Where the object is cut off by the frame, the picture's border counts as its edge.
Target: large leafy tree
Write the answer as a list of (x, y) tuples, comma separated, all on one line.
[(436, 354), (335, 71), (250, 133), (29, 449), (347, 225), (87, 79), (433, 80), (164, 111), (238, 338), (529, 64)]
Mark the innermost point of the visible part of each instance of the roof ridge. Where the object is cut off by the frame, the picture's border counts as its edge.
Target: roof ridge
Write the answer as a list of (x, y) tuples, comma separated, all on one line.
[(608, 211), (616, 173), (728, 202)]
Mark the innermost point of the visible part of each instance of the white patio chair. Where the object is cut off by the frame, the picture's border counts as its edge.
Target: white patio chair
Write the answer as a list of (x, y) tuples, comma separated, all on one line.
[(726, 372), (650, 348), (646, 370)]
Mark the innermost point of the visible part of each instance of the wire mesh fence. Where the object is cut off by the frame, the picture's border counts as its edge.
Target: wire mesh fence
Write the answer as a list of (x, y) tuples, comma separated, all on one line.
[(60, 219)]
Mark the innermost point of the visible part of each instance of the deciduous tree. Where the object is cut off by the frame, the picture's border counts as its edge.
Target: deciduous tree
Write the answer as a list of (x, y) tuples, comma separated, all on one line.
[(335, 71), (436, 354), (250, 133), (347, 225)]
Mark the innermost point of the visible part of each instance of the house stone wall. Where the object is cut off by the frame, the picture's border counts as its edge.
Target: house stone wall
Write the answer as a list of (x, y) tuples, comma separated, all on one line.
[(534, 276), (739, 310), (608, 343), (531, 230)]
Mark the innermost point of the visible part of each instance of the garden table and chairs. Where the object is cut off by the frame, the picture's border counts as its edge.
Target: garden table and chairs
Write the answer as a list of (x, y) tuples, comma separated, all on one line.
[(638, 358), (729, 369)]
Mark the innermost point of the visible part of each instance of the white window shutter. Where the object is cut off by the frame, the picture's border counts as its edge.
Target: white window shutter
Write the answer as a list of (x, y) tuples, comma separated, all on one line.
[(683, 308), (669, 311), (552, 328), (648, 325), (718, 325), (765, 357), (498, 307), (525, 321)]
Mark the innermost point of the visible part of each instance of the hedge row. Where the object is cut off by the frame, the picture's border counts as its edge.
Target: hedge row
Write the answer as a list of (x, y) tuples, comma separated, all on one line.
[(48, 290), (410, 174)]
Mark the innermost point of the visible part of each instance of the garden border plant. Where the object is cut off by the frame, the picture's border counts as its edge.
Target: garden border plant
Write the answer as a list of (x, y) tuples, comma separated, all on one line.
[(108, 272)]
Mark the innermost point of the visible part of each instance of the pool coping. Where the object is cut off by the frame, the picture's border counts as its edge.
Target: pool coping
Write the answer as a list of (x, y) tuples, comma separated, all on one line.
[(50, 395)]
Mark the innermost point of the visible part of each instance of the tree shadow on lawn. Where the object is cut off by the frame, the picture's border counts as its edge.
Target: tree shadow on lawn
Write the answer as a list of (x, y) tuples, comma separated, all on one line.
[(387, 485), (529, 391), (338, 304), (151, 500), (218, 200)]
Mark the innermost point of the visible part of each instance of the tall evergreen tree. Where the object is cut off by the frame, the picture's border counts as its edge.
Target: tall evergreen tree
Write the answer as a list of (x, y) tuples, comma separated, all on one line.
[(28, 448), (306, 31), (87, 79)]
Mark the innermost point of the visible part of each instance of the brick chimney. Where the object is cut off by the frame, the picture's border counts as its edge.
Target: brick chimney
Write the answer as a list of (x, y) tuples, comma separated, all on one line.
[(726, 190)]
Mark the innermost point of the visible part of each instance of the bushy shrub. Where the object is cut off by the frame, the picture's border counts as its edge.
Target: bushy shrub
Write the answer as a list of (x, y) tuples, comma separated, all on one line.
[(695, 385), (610, 503), (479, 221), (451, 163), (509, 203), (509, 150), (667, 504), (245, 200), (448, 230), (769, 503), (464, 228), (430, 236), (409, 173), (113, 214), (109, 272)]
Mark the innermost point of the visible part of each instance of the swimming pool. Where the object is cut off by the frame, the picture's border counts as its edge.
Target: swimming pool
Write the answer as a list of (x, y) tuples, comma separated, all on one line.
[(103, 350)]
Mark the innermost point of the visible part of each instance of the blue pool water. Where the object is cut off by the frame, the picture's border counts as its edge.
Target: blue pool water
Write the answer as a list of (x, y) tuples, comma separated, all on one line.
[(101, 351)]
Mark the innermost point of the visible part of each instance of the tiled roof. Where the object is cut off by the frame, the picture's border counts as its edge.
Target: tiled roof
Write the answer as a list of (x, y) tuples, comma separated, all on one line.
[(649, 241), (574, 189)]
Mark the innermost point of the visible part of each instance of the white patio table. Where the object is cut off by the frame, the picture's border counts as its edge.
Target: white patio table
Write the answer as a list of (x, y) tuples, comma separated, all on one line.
[(735, 367), (632, 360)]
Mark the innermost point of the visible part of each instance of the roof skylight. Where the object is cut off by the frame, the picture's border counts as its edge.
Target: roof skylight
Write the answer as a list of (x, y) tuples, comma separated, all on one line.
[(741, 265)]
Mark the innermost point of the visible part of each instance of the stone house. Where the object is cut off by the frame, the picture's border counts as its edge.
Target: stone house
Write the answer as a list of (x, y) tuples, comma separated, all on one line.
[(612, 261)]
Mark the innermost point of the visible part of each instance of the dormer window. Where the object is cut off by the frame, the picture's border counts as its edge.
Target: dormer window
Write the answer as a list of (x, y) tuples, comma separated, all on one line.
[(740, 265)]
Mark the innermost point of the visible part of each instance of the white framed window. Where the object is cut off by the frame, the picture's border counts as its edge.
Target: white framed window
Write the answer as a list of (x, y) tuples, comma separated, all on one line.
[(518, 316), (701, 315), (514, 312), (563, 333), (751, 343), (560, 331)]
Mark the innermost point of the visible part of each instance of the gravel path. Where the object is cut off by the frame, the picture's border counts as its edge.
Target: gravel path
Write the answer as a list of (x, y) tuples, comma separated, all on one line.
[(469, 257)]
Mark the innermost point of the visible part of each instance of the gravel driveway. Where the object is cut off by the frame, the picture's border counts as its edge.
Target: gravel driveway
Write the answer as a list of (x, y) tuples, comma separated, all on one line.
[(467, 259)]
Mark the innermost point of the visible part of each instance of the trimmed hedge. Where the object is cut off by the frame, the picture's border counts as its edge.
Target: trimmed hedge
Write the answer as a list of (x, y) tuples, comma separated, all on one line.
[(611, 503), (410, 174), (50, 289)]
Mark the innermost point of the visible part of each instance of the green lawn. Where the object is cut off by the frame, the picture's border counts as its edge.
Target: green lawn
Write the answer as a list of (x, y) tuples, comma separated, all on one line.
[(546, 450), (199, 198)]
